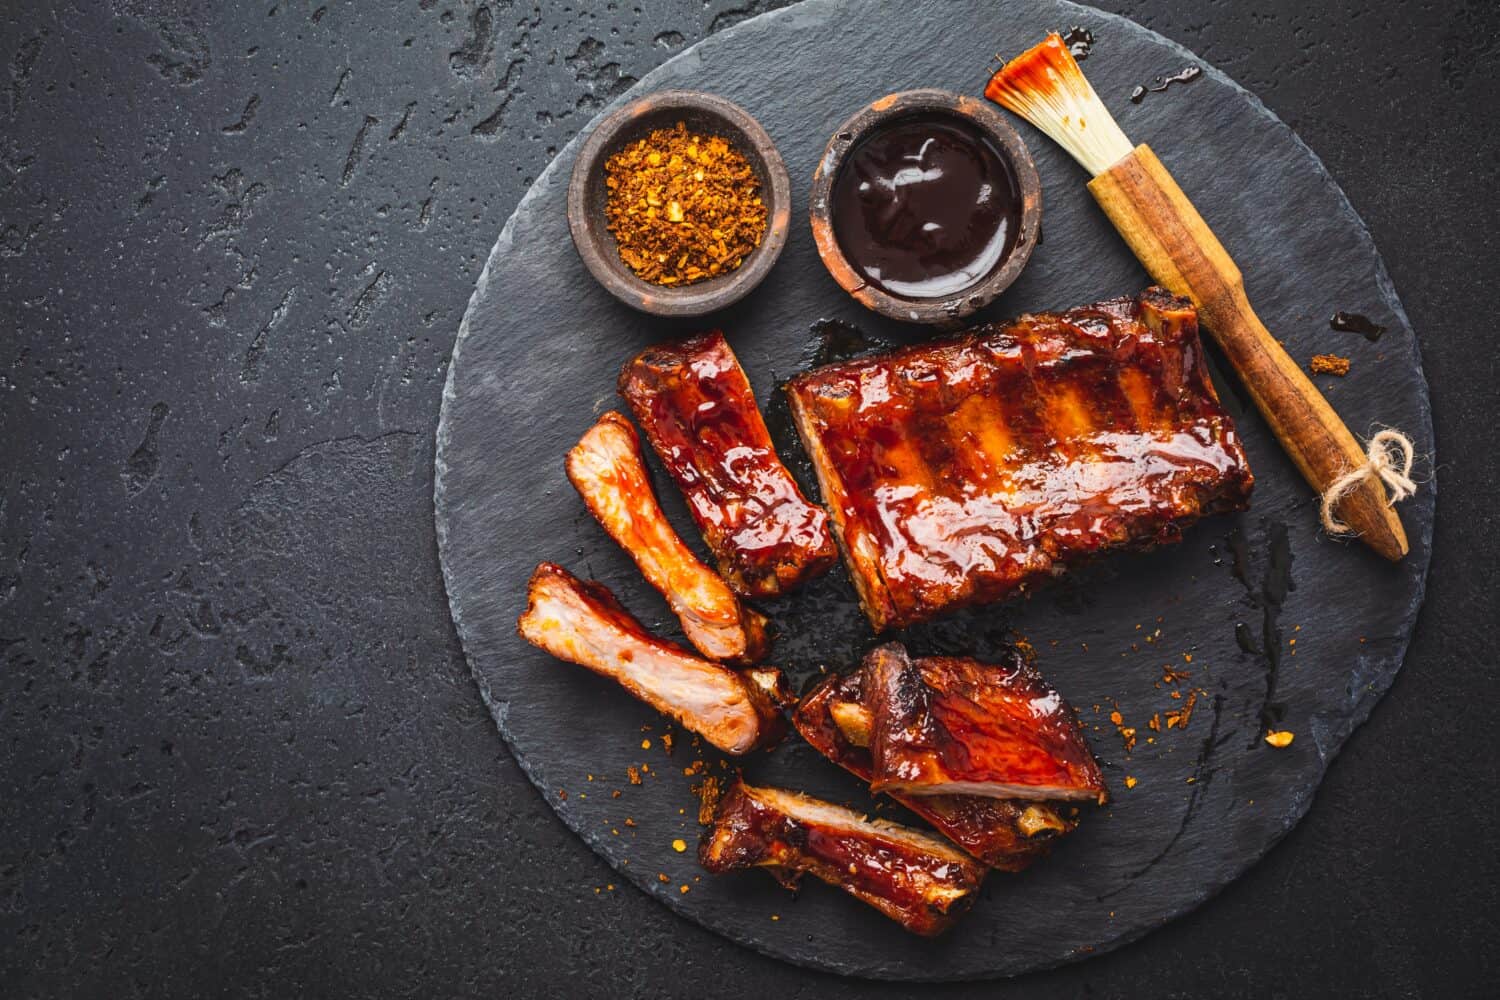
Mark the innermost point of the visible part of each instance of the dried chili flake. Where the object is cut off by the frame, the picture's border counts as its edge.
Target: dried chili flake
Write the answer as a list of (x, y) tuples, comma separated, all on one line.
[(683, 207)]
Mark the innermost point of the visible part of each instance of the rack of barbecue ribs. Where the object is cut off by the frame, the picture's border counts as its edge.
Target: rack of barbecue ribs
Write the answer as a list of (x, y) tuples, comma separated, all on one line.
[(837, 719), (964, 471), (581, 622), (911, 877), (693, 401), (606, 468)]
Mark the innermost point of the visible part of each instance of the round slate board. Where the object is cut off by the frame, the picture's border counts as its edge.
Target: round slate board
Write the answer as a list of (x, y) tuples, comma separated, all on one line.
[(1275, 623)]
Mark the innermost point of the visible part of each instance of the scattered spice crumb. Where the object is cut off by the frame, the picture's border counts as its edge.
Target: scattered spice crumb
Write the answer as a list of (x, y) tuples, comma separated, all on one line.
[(775, 916), (679, 845), (1129, 781), (666, 742), (562, 794), (662, 877), (615, 794), (708, 799), (1127, 733), (633, 775), (629, 821), (1280, 738), (1329, 364), (682, 889), (1181, 717), (645, 744)]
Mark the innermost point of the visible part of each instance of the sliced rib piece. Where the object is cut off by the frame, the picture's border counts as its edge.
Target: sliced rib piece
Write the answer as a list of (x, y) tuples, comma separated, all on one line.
[(584, 624), (964, 471), (947, 725), (1008, 834), (606, 469), (694, 403), (915, 879)]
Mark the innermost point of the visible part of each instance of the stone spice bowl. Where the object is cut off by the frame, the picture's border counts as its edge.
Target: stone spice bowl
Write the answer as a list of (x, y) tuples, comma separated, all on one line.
[(927, 104), (705, 114)]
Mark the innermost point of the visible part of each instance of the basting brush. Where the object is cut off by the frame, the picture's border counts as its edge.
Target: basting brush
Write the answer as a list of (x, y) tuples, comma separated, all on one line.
[(1045, 86)]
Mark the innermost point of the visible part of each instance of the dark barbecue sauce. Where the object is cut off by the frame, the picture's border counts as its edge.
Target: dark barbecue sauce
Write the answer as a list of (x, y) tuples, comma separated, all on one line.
[(1080, 42), (925, 208), (1187, 75), (1357, 323)]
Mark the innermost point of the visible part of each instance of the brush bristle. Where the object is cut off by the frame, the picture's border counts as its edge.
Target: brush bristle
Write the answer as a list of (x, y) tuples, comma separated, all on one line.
[(1045, 86)]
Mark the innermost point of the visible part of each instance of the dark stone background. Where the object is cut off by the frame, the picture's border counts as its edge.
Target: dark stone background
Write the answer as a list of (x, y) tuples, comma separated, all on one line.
[(240, 752)]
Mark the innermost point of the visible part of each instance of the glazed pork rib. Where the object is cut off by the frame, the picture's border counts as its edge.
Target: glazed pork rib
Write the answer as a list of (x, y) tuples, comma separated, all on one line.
[(606, 469), (964, 471), (917, 880), (1008, 834), (947, 725), (694, 403), (584, 624)]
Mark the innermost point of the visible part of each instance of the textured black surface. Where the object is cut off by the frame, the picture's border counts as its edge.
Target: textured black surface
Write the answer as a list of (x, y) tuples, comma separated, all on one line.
[(1326, 624), (288, 785)]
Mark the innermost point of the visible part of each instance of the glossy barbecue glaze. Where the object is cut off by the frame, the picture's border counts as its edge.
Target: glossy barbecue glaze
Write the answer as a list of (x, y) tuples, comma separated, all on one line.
[(584, 624), (695, 405), (952, 725), (963, 471), (913, 878), (1008, 834), (607, 470)]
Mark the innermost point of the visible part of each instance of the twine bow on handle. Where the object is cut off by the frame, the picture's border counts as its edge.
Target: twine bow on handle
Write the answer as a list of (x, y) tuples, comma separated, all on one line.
[(1389, 458)]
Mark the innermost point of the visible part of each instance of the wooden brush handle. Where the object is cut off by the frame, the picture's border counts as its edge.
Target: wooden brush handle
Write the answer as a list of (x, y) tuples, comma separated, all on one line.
[(1182, 254)]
